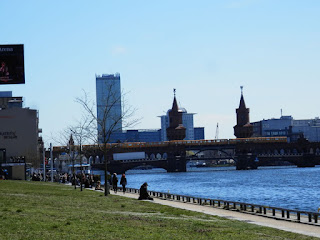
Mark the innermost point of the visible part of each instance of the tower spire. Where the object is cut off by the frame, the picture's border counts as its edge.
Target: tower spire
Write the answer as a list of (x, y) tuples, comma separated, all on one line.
[(243, 129), (242, 104), (175, 131)]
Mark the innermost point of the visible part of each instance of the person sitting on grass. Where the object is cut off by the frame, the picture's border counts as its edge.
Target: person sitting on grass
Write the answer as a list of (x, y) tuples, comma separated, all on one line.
[(98, 186), (144, 195)]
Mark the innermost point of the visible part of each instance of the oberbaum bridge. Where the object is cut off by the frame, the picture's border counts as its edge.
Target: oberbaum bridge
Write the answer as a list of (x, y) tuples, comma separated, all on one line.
[(247, 152)]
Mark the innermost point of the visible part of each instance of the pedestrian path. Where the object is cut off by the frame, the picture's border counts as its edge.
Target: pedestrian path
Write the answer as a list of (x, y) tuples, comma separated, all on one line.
[(305, 229)]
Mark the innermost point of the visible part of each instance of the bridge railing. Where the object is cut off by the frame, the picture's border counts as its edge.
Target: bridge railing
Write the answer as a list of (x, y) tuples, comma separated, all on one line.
[(261, 210)]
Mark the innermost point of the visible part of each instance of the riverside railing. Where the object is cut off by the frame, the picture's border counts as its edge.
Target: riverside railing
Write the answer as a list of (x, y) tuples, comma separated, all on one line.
[(261, 210)]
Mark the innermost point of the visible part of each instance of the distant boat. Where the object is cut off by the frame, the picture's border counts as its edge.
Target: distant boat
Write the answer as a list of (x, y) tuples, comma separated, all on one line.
[(196, 164), (191, 164), (201, 165)]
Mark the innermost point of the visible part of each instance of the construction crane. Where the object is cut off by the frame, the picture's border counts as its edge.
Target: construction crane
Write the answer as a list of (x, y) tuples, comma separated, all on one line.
[(217, 132)]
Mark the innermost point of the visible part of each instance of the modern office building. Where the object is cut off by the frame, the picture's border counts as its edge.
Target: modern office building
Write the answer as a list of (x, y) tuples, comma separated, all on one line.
[(309, 127), (139, 135), (108, 93), (198, 133), (287, 126)]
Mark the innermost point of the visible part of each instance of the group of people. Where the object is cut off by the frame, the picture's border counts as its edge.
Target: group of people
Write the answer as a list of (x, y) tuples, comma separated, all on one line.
[(89, 181), (123, 183), (144, 195)]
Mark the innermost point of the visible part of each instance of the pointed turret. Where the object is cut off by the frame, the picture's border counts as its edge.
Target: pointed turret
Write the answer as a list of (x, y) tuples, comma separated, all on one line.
[(175, 131), (242, 104), (175, 104), (243, 129), (71, 142)]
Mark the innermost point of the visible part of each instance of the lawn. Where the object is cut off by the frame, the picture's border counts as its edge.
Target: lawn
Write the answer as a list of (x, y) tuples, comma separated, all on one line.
[(40, 210)]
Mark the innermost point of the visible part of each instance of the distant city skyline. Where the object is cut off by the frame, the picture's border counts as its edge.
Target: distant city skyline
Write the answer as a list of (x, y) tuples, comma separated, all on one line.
[(206, 50)]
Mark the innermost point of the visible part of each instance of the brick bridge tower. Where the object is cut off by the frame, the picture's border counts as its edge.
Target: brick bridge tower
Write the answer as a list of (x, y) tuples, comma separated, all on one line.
[(243, 129), (175, 131)]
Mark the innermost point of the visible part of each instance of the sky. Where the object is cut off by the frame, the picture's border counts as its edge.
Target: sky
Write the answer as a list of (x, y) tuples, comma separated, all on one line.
[(204, 49)]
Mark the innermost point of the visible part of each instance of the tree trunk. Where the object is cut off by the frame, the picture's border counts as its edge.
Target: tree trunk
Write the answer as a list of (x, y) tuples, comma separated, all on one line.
[(106, 188)]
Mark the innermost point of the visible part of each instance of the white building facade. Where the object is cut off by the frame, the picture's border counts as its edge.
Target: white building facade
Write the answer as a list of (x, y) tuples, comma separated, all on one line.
[(287, 126), (19, 134)]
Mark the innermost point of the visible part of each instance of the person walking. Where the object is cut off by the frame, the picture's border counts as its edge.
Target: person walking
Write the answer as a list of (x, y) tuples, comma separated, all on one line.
[(115, 183), (123, 182)]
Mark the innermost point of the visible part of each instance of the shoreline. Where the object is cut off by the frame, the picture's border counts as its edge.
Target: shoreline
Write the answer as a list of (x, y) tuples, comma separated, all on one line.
[(267, 221)]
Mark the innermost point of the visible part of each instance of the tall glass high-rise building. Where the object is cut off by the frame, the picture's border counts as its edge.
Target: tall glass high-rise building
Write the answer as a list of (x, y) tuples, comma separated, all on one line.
[(108, 91)]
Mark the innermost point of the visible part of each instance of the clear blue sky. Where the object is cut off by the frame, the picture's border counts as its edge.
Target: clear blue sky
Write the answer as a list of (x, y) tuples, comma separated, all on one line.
[(204, 49)]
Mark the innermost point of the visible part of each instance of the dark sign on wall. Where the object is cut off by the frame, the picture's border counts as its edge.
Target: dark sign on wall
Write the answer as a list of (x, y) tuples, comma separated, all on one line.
[(11, 64)]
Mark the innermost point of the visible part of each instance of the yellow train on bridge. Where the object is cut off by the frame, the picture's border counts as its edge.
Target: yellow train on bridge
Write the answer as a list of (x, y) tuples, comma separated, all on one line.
[(191, 142)]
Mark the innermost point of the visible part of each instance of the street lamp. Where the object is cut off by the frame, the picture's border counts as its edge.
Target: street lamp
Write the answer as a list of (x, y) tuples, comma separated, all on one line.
[(71, 148), (80, 148)]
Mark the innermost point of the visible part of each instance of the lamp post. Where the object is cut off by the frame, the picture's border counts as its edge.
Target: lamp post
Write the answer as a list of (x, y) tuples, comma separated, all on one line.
[(51, 162), (44, 163), (78, 135), (71, 148), (81, 173)]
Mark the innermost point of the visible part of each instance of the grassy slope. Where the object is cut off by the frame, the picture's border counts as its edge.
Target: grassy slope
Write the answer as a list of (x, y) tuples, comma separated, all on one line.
[(37, 210)]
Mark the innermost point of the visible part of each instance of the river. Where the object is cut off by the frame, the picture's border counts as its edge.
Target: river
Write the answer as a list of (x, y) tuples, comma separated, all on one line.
[(286, 187)]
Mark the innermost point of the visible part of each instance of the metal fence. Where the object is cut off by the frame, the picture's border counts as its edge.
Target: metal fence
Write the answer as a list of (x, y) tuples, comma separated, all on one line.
[(260, 210)]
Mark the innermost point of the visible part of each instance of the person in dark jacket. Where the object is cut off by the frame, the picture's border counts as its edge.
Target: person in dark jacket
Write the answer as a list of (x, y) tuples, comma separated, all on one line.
[(123, 182), (115, 183), (144, 192)]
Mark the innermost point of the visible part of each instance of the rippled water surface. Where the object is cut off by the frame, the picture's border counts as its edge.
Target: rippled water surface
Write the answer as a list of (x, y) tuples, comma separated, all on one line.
[(287, 187)]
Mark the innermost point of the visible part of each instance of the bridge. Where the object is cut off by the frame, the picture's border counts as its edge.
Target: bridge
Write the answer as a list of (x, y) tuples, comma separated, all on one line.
[(248, 153)]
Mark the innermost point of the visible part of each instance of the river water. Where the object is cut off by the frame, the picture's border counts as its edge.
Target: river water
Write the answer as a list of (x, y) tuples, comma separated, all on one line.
[(286, 187)]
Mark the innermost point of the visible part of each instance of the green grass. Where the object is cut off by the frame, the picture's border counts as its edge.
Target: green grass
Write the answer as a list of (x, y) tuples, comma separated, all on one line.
[(37, 210)]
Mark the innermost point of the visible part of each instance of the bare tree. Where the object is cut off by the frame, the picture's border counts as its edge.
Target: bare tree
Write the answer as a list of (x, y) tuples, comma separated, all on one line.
[(74, 137), (80, 133), (106, 122)]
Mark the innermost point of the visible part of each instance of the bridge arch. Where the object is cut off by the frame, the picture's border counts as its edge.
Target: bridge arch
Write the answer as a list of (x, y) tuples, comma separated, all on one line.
[(131, 165)]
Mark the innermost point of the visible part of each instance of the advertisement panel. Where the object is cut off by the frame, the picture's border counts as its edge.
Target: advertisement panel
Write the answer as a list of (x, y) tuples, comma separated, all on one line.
[(12, 64)]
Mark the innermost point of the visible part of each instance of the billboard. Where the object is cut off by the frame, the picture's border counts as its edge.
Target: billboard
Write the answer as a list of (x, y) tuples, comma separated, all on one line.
[(11, 64)]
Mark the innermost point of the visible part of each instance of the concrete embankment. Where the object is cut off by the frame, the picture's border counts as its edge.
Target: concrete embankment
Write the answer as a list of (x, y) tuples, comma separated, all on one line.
[(302, 228)]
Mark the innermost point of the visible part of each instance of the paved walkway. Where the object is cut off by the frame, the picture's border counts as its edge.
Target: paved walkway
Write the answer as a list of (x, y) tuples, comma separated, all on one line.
[(301, 228)]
